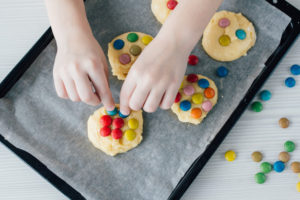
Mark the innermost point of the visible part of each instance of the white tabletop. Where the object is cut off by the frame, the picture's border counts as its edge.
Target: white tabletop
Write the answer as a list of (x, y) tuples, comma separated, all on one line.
[(21, 24)]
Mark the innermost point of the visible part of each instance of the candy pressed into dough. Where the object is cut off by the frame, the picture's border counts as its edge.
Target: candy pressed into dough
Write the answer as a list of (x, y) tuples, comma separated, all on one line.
[(108, 144), (118, 69), (161, 10), (237, 47), (185, 116)]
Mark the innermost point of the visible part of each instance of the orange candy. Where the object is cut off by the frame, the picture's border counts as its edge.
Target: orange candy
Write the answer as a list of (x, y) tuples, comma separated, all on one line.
[(209, 93), (196, 113)]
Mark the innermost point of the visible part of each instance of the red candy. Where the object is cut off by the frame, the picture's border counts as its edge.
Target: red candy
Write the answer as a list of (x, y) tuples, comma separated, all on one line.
[(193, 60), (116, 133), (105, 120), (105, 131), (118, 122), (178, 97), (172, 4), (192, 78)]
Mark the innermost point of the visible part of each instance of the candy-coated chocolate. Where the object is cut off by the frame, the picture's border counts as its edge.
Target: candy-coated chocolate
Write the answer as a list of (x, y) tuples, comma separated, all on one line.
[(105, 120), (135, 50), (240, 34), (189, 90), (284, 156), (290, 82), (289, 146), (193, 60), (181, 85), (122, 116), (260, 178), (130, 134), (133, 123), (266, 167), (284, 122), (209, 93), (265, 95), (132, 37), (298, 186), (295, 166), (118, 44), (113, 112), (105, 131), (222, 71), (224, 40), (196, 113), (230, 155), (256, 106), (116, 133), (278, 166), (203, 83), (185, 105), (171, 4), (224, 22), (146, 39), (207, 106), (178, 97), (192, 78), (256, 156), (197, 98), (118, 122), (124, 58), (295, 69)]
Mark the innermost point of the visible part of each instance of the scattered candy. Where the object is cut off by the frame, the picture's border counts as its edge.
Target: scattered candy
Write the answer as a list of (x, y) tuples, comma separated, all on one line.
[(197, 98), (203, 83), (222, 71), (122, 116), (146, 39), (284, 156), (230, 155), (118, 44), (105, 131), (189, 90), (298, 186), (284, 122), (256, 106), (171, 4), (124, 58), (193, 60), (185, 105), (289, 146), (196, 113), (113, 112), (132, 37), (105, 120), (133, 123), (209, 93), (207, 106), (224, 40), (178, 97), (118, 122), (266, 167), (256, 156), (130, 135), (224, 22), (278, 166), (265, 95), (295, 69), (116, 133), (135, 50), (295, 167), (290, 82), (260, 178), (192, 78), (240, 34)]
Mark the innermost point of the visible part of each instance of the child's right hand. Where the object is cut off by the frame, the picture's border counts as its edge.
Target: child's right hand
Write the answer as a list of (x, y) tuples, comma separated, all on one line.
[(80, 71)]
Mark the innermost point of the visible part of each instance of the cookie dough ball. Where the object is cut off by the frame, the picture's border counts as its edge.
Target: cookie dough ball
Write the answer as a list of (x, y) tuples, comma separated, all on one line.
[(228, 36), (162, 8), (124, 50), (195, 98), (114, 133)]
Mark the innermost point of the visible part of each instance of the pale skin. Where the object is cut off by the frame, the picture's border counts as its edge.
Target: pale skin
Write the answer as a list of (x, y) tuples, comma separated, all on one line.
[(153, 80)]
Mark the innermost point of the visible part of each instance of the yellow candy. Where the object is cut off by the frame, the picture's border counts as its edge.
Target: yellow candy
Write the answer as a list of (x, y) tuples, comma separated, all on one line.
[(224, 40), (181, 86), (130, 135), (298, 186), (230, 155), (133, 123), (197, 98), (146, 39)]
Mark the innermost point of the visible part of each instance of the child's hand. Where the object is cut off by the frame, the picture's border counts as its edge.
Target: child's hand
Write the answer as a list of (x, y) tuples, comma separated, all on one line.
[(79, 66)]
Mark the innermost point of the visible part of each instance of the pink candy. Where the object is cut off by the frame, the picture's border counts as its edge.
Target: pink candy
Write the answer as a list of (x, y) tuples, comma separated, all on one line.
[(224, 22), (189, 90), (206, 106), (125, 58)]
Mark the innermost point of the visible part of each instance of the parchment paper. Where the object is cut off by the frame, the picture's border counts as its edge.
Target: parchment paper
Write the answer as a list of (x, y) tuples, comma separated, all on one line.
[(33, 118)]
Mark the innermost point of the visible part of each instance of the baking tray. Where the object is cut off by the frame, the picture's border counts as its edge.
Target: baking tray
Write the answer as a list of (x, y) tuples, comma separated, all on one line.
[(288, 36)]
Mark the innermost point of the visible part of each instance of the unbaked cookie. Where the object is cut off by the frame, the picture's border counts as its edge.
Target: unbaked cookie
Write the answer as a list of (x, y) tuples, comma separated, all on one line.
[(195, 98), (124, 50), (162, 8), (113, 132), (228, 36)]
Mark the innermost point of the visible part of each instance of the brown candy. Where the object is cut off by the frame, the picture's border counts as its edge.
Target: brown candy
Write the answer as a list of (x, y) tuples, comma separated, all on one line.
[(284, 156), (135, 50), (295, 167), (284, 122), (256, 156)]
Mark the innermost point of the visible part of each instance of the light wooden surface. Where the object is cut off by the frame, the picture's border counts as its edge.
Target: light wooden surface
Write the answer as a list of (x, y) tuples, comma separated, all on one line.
[(21, 24)]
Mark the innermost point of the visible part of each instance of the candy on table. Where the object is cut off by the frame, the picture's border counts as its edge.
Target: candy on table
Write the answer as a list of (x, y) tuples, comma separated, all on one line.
[(118, 44), (193, 60), (146, 39), (266, 167), (135, 50), (113, 112), (230, 155), (132, 37), (133, 123), (188, 90), (197, 98), (222, 71), (256, 106), (206, 106), (278, 166), (224, 40), (105, 131), (290, 82), (106, 120), (124, 58), (295, 69), (171, 4), (295, 166), (265, 95), (196, 113), (209, 93), (284, 156), (118, 122), (240, 34), (289, 146), (298, 186), (192, 78), (130, 134), (203, 83), (283, 122), (116, 133), (185, 105), (260, 178), (256, 156)]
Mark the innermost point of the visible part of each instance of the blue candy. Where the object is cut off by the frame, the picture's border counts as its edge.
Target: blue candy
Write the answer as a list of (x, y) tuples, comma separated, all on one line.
[(122, 116), (222, 71), (241, 34), (203, 83), (278, 166), (290, 82), (113, 112), (295, 69), (265, 95), (185, 105), (118, 44)]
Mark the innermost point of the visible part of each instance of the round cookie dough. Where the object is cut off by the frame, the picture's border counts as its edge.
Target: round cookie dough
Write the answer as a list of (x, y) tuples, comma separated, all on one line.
[(160, 9), (233, 30), (108, 144), (185, 95), (132, 48)]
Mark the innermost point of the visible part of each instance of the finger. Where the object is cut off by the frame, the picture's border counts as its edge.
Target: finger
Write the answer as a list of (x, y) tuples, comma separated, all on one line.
[(60, 88), (154, 100), (71, 89), (169, 97), (126, 92), (139, 97)]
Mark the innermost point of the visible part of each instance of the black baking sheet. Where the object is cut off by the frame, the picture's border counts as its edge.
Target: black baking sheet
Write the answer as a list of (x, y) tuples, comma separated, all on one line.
[(288, 37)]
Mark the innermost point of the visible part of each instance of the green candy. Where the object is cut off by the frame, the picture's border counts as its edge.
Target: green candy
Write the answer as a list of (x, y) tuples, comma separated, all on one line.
[(256, 106), (289, 146), (260, 178), (132, 37), (266, 167)]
